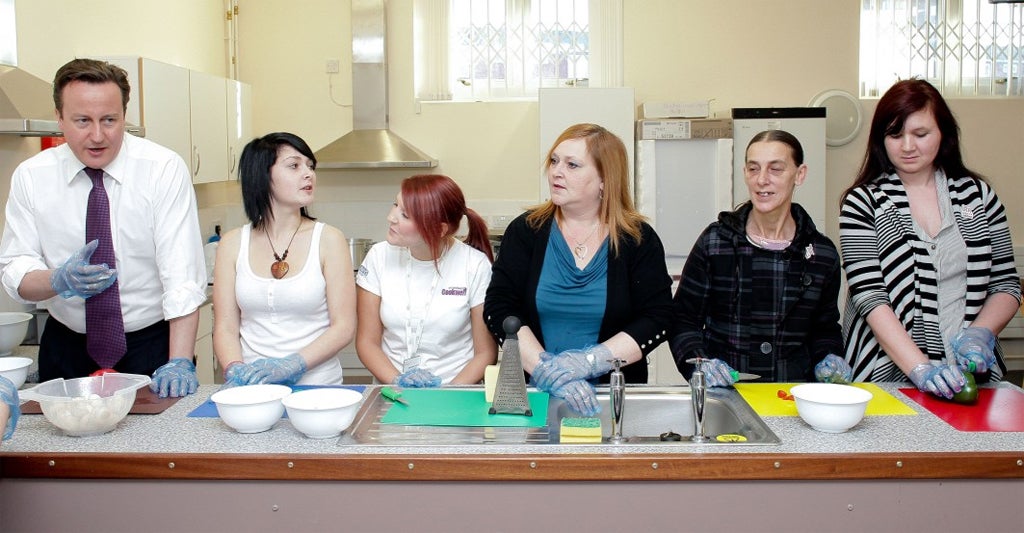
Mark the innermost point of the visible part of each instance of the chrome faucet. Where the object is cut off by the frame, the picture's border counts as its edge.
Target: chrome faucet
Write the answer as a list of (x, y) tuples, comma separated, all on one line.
[(617, 397), (698, 387)]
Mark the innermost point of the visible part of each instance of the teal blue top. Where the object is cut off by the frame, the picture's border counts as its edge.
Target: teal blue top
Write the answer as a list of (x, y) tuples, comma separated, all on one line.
[(570, 301)]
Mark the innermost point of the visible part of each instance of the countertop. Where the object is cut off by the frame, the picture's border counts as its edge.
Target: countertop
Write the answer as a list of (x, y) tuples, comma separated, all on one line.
[(176, 446)]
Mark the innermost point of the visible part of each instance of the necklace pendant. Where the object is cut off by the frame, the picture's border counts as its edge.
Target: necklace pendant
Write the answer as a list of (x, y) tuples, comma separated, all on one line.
[(580, 251), (279, 269)]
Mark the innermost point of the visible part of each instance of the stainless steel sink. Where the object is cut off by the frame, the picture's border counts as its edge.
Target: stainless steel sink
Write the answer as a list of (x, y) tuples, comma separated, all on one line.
[(650, 416)]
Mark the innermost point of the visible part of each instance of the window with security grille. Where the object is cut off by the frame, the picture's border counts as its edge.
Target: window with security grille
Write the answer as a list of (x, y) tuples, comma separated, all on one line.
[(963, 47), (496, 49)]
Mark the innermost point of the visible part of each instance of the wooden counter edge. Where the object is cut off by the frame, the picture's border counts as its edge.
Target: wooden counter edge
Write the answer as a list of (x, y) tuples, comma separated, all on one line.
[(316, 467)]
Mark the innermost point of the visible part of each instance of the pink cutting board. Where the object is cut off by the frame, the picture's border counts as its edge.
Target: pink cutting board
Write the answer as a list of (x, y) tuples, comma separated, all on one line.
[(996, 410)]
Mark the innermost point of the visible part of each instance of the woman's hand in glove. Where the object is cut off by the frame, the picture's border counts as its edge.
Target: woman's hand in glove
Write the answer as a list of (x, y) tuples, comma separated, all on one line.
[(417, 378), (937, 378), (833, 369)]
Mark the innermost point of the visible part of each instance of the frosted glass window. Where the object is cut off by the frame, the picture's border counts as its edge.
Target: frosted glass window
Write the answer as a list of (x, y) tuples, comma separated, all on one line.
[(963, 47), (495, 49)]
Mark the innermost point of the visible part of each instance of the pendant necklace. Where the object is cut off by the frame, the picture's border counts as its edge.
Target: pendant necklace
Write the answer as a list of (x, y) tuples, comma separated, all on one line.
[(581, 249), (279, 268)]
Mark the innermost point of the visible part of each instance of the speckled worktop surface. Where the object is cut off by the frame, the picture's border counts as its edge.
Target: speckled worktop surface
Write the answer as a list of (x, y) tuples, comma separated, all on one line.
[(173, 432)]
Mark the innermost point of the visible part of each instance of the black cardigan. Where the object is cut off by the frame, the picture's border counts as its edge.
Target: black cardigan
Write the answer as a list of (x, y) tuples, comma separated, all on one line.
[(639, 300)]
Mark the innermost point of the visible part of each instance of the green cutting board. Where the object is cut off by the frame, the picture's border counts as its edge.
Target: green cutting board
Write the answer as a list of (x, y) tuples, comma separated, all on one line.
[(439, 407)]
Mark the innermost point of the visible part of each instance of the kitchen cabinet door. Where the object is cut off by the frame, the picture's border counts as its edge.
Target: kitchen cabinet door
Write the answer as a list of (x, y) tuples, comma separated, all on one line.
[(208, 112), (240, 132), (159, 101)]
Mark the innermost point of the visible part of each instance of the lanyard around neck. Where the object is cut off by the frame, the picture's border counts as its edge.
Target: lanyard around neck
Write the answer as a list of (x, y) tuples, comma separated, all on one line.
[(414, 325)]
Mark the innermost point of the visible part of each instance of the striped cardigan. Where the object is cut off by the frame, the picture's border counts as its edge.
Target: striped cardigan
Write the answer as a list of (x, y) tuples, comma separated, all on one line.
[(886, 264)]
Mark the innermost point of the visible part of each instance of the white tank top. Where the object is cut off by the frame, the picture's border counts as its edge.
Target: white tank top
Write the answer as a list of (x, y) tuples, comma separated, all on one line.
[(282, 316)]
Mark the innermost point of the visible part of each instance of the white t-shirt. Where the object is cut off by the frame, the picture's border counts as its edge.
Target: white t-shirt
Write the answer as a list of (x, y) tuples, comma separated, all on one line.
[(282, 316), (408, 288)]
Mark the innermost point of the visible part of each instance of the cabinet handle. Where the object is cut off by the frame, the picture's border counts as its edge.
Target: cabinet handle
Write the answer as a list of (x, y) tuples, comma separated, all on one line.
[(198, 159)]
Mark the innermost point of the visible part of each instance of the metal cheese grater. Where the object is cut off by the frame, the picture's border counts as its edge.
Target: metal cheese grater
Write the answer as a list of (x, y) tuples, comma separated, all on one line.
[(510, 393)]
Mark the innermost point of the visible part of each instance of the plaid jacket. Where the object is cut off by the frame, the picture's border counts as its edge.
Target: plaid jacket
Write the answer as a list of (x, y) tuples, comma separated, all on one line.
[(765, 312)]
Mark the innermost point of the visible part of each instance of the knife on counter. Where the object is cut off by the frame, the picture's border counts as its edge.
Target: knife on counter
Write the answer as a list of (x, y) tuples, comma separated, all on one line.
[(393, 395), (743, 376)]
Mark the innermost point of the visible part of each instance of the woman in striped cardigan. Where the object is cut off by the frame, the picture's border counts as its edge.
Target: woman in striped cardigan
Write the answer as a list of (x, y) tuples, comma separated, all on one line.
[(927, 252)]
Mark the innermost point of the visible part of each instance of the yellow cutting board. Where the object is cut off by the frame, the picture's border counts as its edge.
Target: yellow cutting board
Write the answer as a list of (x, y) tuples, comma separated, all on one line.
[(764, 399)]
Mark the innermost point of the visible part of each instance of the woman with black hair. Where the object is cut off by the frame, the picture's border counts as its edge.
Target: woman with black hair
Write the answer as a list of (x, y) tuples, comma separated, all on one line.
[(283, 294)]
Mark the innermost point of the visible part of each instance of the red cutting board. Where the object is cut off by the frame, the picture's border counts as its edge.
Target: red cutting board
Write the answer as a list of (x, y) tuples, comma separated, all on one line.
[(996, 410)]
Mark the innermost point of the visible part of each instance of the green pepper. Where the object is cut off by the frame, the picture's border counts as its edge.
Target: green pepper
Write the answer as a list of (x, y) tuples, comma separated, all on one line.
[(969, 393)]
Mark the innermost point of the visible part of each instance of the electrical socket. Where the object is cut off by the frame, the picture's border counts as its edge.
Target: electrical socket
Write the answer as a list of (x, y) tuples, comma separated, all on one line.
[(333, 66)]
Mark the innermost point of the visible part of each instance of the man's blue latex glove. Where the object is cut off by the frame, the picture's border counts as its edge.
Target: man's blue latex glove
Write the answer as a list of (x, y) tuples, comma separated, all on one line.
[(9, 396), (554, 371), (417, 378), (279, 370), (833, 369), (975, 345), (718, 373), (174, 379), (76, 277), (937, 378), (580, 395)]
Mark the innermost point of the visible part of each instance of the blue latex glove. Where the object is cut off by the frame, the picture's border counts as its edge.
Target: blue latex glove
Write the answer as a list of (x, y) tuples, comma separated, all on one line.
[(718, 373), (937, 378), (9, 396), (235, 374), (174, 379), (280, 370), (975, 345), (417, 378), (833, 369), (76, 277), (580, 395), (555, 371)]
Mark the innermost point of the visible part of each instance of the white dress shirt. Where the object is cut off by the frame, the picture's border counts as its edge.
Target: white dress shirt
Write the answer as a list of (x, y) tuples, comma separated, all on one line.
[(161, 270)]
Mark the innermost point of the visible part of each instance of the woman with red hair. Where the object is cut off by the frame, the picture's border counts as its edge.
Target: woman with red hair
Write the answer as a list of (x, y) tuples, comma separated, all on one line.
[(421, 292)]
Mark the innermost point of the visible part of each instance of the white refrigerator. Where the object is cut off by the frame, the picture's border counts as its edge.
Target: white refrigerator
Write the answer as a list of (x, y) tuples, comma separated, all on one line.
[(681, 186)]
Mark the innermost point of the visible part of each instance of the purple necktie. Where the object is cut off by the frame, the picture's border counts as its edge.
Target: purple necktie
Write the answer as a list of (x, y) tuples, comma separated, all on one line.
[(104, 326)]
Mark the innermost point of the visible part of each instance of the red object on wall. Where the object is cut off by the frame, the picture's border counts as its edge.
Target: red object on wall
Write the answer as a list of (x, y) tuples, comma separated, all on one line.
[(50, 142)]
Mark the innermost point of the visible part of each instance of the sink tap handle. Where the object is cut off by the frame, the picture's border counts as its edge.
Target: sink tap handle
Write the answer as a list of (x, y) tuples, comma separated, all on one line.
[(617, 398), (698, 389)]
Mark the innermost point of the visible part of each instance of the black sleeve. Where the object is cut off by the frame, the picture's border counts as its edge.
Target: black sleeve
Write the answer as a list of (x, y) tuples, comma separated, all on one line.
[(509, 278)]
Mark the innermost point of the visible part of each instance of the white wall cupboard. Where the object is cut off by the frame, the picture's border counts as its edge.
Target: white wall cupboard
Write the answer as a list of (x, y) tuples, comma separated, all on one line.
[(200, 116), (240, 130)]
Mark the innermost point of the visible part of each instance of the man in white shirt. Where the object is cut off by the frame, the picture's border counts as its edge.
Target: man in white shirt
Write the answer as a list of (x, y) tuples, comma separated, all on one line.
[(151, 257)]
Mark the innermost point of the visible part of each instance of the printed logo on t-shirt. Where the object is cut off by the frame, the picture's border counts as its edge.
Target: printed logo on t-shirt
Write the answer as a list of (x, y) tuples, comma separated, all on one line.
[(454, 291), (363, 271)]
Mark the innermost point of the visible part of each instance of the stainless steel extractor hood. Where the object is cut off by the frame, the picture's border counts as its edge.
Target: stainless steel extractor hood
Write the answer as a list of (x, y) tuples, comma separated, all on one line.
[(26, 104), (370, 144)]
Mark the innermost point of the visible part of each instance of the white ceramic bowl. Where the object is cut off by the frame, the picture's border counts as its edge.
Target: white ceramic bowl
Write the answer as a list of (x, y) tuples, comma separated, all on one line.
[(13, 327), (251, 408), (87, 406), (830, 407), (322, 413), (15, 369)]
